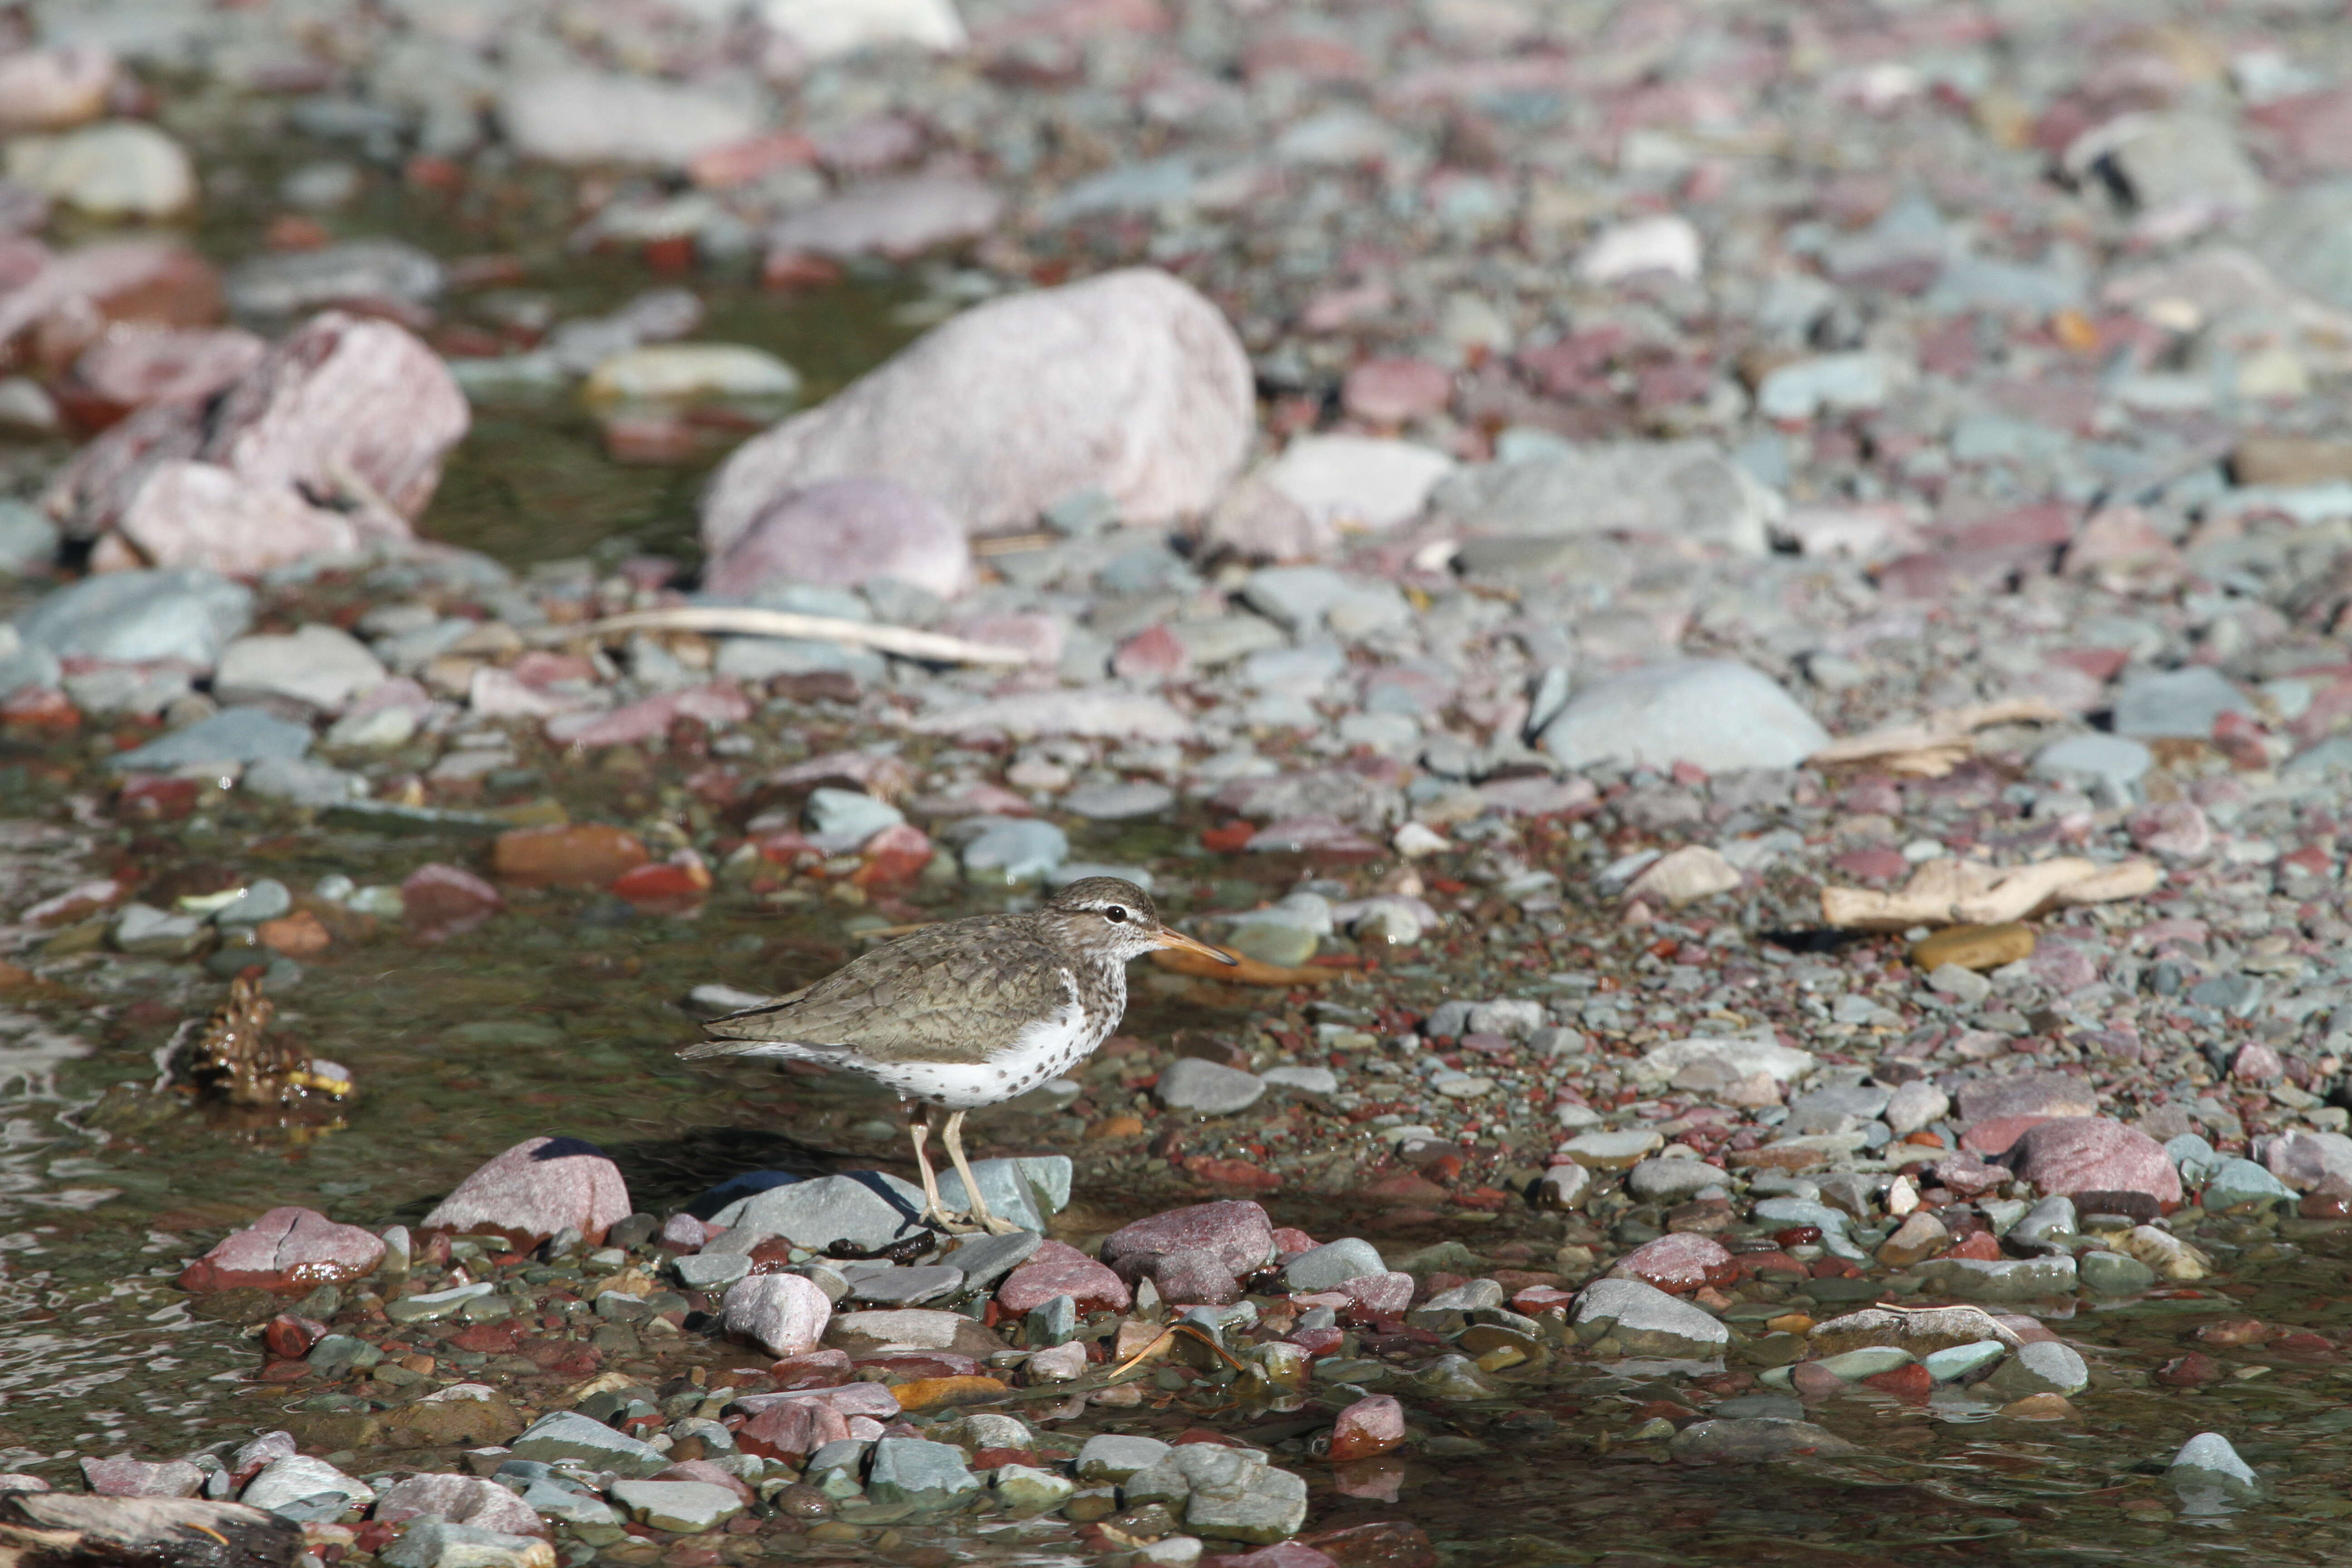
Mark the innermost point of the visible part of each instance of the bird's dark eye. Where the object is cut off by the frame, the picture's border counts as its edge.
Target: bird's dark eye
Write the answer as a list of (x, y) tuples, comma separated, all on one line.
[(1116, 915)]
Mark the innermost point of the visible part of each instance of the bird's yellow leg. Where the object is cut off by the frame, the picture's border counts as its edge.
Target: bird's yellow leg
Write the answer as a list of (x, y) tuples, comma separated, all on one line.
[(952, 1136)]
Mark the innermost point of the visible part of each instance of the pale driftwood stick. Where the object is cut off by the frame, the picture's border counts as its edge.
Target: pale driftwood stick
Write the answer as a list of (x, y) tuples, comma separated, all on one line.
[(904, 641)]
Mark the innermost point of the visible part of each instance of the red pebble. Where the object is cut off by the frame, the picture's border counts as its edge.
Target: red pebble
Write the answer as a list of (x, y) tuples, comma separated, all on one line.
[(1374, 1425)]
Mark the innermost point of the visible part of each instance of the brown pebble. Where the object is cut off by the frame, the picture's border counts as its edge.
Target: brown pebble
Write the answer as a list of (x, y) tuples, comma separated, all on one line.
[(1975, 947)]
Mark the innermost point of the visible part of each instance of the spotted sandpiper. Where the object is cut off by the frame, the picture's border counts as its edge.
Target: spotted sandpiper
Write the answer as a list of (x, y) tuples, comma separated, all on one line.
[(967, 1013)]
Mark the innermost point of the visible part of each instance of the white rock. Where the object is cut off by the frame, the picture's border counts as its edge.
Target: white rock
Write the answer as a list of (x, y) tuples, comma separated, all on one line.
[(821, 29), (1131, 384), (319, 666), (785, 1313), (298, 1476), (1666, 244), (1913, 1106), (1691, 872), (678, 372), (1357, 481), (125, 168), (591, 117), (1716, 713), (1744, 1055)]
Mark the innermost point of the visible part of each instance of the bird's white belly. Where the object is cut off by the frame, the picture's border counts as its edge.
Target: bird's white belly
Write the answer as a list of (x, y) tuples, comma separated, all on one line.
[(1045, 1049)]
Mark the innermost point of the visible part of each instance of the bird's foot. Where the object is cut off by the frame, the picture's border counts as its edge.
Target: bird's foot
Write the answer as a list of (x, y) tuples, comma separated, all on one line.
[(996, 1226), (936, 1218)]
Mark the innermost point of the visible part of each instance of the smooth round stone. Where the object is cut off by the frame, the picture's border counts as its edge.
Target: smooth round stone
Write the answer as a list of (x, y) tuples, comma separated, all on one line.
[(2113, 1274), (2236, 1182), (1285, 946), (1957, 1361), (1118, 801), (1716, 713), (1855, 1365)]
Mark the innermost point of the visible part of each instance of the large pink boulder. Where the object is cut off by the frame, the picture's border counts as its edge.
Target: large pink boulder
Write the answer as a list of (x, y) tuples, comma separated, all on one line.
[(345, 407), (2093, 1154), (1678, 1263), (845, 533), (535, 1189), (1131, 384), (288, 1249)]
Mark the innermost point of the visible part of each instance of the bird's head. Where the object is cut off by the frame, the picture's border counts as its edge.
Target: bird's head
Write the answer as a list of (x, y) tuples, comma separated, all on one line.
[(1109, 914)]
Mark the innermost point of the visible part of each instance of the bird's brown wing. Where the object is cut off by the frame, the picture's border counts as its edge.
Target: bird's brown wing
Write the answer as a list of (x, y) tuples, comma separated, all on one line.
[(955, 993)]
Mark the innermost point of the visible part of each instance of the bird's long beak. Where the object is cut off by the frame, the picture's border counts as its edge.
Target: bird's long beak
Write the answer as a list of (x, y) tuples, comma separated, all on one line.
[(1177, 939)]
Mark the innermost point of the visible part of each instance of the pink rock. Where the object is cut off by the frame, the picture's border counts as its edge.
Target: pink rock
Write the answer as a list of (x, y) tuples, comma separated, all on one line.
[(2094, 1154), (73, 296), (134, 366), (1678, 1262), (2060, 966), (683, 1233), (849, 1398), (2315, 127), (1094, 1287), (884, 778), (1131, 384), (1236, 1231), (1193, 1277), (2304, 1160), (251, 1459), (123, 1476), (1876, 863), (1306, 833), (1281, 1554), (649, 718), (441, 901), (1288, 1239), (288, 1249), (897, 218), (817, 1369), (2257, 1063), (344, 398), (866, 145), (1392, 390), (1374, 1425), (2176, 829), (845, 533), (1536, 796), (457, 1499), (1154, 653), (200, 514), (358, 409), (1038, 636), (1997, 1136), (1374, 1296), (783, 1313), (535, 1189), (2119, 544), (1815, 1382), (1968, 1175), (792, 1430), (51, 88), (1258, 522), (2027, 1094)]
